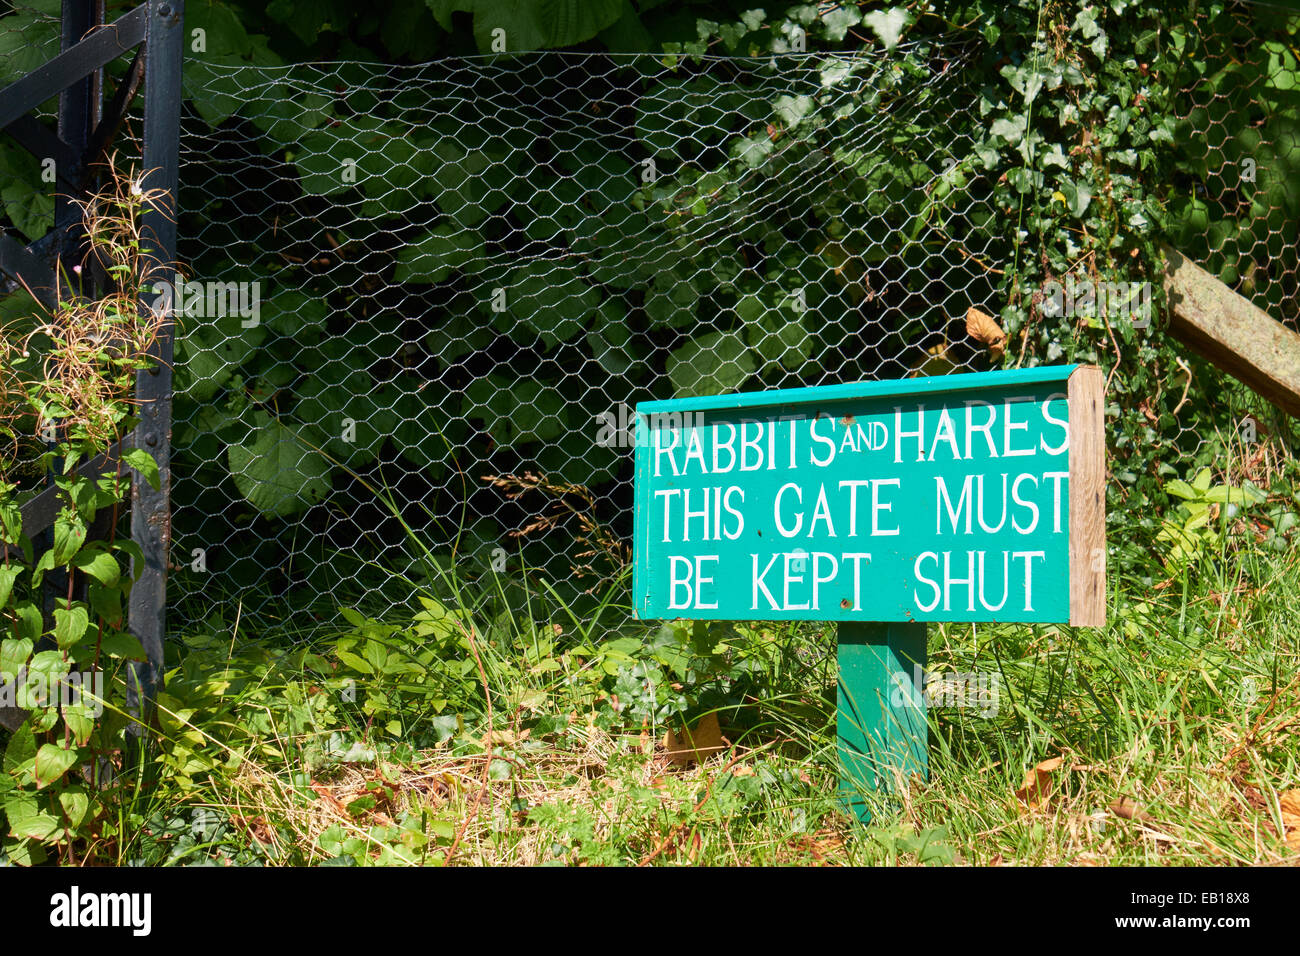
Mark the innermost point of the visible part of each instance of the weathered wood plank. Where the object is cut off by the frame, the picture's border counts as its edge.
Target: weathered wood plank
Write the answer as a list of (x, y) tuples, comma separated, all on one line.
[(1233, 333), (1087, 398)]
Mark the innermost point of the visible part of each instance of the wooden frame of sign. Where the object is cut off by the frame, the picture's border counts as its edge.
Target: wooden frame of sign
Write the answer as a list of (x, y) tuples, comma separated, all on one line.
[(881, 506)]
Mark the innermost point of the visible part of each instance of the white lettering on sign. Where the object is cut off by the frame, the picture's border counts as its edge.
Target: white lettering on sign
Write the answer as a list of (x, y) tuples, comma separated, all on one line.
[(956, 507)]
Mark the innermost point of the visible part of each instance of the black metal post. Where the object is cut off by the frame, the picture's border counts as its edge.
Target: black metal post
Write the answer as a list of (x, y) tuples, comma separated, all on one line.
[(150, 509)]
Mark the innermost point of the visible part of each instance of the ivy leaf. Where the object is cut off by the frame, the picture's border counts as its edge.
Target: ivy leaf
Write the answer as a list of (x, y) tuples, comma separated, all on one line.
[(530, 24), (837, 21), (276, 471), (791, 110), (1077, 197), (888, 25), (1010, 130)]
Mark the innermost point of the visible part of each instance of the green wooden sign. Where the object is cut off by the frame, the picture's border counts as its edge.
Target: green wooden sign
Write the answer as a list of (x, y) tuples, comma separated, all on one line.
[(879, 505)]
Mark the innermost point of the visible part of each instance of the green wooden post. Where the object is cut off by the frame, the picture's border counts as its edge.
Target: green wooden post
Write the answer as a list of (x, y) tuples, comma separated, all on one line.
[(881, 721)]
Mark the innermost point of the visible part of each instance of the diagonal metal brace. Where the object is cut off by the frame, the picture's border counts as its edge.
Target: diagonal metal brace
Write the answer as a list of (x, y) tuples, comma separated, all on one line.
[(51, 78)]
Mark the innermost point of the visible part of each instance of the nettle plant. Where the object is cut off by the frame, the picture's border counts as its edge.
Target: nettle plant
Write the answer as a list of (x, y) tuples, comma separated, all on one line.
[(65, 653)]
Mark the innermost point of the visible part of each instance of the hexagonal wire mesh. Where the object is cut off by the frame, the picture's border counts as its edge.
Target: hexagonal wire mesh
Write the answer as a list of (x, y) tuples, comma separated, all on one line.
[(29, 36), (1237, 198), (404, 280)]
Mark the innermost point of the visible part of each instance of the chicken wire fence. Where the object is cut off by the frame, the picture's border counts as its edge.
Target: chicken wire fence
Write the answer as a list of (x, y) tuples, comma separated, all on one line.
[(1237, 203), (420, 302), (445, 287)]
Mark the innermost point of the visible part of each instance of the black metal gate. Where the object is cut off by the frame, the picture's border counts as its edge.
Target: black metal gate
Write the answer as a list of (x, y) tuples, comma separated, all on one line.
[(88, 126)]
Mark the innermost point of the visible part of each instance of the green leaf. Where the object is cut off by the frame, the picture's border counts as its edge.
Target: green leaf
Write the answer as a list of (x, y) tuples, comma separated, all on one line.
[(515, 413), (30, 623), (52, 762), (28, 200), (353, 417), (20, 755), (671, 300), (710, 365), (75, 803), (284, 112), (367, 153), (143, 462), (550, 299), (100, 565), (23, 852), (26, 819), (70, 625), (779, 338), (888, 25), (471, 176), (680, 115), (7, 578), (69, 536), (427, 435), (276, 471), (437, 254), (80, 719), (1077, 196), (295, 314), (530, 24), (212, 354), (121, 644), (837, 21), (14, 653)]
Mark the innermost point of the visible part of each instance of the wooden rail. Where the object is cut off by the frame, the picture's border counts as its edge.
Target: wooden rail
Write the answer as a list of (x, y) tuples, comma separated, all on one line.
[(1233, 333)]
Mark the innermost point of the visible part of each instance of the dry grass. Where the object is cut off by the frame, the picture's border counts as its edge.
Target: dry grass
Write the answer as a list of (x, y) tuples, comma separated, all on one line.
[(89, 347)]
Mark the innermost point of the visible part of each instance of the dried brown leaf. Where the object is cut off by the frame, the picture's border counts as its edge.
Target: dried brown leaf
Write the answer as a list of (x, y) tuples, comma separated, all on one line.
[(1037, 786), (1289, 802), (1126, 808), (695, 744), (984, 328)]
